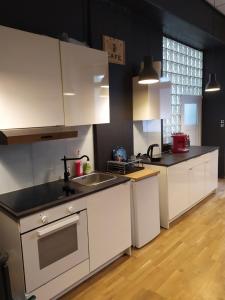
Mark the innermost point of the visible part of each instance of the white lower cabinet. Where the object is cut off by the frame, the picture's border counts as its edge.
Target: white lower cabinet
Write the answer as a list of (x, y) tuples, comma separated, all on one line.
[(109, 224), (145, 211), (183, 185), (211, 171), (196, 181), (177, 189)]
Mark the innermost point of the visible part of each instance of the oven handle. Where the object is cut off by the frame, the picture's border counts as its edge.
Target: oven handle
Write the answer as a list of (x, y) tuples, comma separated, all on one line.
[(55, 227)]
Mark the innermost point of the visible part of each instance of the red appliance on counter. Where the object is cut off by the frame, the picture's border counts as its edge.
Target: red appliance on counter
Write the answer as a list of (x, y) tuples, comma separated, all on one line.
[(180, 142)]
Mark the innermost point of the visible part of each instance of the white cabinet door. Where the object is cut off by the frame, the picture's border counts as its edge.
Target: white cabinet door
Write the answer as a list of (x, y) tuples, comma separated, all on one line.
[(196, 173), (151, 102), (165, 100), (30, 80), (146, 219), (177, 189), (85, 84), (211, 172), (109, 224)]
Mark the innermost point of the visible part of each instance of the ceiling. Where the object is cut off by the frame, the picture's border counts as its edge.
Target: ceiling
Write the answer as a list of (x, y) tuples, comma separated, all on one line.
[(179, 21), (218, 4)]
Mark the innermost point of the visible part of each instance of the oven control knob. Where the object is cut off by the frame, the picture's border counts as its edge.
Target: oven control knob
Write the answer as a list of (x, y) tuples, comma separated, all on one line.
[(70, 209), (44, 219)]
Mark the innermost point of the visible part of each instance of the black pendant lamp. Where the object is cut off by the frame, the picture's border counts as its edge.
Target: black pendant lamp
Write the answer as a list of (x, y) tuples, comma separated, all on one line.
[(148, 74), (212, 85)]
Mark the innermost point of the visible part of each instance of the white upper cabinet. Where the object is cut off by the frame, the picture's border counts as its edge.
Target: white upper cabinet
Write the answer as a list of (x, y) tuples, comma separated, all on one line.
[(85, 85), (151, 101), (30, 80)]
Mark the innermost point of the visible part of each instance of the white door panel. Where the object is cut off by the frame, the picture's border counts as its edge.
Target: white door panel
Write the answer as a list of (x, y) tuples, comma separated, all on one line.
[(85, 85), (30, 80), (196, 183), (177, 189), (109, 224)]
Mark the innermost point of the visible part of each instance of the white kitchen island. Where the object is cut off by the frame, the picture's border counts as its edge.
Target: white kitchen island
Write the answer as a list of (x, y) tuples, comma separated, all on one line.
[(184, 180)]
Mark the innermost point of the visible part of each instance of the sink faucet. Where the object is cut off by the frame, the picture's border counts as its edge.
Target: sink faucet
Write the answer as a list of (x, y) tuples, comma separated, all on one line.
[(65, 159)]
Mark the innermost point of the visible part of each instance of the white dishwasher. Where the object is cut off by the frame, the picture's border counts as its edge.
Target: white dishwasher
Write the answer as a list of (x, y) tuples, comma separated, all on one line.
[(145, 207)]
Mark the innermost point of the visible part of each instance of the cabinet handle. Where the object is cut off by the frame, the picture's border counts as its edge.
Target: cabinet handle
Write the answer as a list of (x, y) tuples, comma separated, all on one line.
[(46, 137), (56, 227)]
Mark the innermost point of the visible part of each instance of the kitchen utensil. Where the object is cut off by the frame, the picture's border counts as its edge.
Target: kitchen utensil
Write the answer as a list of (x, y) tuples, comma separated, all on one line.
[(121, 167)]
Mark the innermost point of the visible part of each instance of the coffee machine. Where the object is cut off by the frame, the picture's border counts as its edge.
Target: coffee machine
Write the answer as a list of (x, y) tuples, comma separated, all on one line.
[(180, 142)]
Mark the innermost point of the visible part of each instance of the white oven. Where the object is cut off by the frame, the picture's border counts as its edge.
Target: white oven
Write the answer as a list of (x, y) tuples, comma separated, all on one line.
[(52, 249)]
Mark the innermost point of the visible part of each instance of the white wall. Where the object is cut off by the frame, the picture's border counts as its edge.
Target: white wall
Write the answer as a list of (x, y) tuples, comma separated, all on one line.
[(142, 139), (22, 166)]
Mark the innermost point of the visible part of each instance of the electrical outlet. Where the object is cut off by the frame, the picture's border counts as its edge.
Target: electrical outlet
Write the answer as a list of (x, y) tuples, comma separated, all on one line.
[(221, 123)]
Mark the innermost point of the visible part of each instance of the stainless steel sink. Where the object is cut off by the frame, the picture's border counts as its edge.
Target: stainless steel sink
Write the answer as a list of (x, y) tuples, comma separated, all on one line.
[(94, 179)]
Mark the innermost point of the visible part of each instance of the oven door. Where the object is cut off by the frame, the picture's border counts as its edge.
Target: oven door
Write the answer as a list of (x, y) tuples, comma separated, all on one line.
[(53, 249)]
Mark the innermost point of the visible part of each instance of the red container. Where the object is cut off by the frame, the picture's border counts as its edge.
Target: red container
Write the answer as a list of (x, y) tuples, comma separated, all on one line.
[(78, 168), (180, 142)]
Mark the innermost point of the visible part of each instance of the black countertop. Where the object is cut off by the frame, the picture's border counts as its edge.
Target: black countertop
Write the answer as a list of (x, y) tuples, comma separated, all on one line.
[(21, 203), (170, 159)]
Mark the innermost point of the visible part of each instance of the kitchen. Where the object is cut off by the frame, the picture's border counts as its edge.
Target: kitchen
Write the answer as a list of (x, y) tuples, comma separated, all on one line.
[(94, 128)]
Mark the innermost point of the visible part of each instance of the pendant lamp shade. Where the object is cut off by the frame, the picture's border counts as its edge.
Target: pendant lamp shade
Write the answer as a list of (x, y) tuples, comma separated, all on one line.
[(212, 85), (148, 74)]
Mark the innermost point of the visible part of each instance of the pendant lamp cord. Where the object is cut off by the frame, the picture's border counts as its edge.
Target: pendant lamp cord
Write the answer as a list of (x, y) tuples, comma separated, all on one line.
[(213, 30), (213, 21)]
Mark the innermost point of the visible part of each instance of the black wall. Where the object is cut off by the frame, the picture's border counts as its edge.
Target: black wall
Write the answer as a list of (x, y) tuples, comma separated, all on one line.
[(138, 24), (141, 38), (45, 17), (193, 22), (88, 21), (213, 105)]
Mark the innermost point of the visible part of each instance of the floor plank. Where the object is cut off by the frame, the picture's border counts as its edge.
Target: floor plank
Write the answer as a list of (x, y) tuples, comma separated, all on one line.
[(186, 262)]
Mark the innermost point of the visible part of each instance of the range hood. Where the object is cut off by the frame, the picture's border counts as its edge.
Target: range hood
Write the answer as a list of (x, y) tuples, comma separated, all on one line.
[(31, 135)]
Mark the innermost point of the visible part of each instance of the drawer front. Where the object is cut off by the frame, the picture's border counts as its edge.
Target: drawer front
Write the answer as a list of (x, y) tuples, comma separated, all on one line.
[(52, 214)]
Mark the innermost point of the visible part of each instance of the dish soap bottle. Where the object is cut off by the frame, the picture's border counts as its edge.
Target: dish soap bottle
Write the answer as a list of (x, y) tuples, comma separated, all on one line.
[(78, 165), (87, 167)]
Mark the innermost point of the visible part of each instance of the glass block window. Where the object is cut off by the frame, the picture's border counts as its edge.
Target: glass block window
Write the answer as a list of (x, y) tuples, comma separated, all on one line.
[(183, 66)]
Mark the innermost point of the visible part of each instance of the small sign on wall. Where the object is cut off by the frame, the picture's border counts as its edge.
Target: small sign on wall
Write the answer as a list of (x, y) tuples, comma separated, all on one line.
[(115, 49)]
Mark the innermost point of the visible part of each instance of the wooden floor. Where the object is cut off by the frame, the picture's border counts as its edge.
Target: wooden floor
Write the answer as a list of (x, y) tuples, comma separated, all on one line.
[(186, 262)]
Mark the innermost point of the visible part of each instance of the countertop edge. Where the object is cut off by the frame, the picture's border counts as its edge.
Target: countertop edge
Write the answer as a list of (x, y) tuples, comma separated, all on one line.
[(183, 160), (17, 216), (151, 174)]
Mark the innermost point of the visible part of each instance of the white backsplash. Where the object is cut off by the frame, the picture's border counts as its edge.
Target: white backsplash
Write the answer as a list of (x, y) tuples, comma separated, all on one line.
[(142, 139), (23, 166)]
